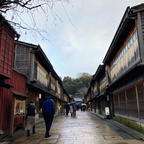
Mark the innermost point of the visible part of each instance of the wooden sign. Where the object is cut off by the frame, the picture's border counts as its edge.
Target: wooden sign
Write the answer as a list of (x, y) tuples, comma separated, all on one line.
[(19, 107)]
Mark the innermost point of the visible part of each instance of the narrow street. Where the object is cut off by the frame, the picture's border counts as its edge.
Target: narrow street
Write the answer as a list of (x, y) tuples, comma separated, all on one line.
[(84, 129)]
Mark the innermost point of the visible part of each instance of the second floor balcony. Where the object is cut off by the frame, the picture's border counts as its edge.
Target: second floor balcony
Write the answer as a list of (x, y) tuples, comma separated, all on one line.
[(127, 58)]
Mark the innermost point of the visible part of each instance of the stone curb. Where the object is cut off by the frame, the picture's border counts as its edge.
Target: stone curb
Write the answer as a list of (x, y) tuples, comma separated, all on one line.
[(128, 130)]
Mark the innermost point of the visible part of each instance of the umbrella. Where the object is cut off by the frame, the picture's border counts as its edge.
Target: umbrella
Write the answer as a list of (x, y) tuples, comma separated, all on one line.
[(72, 103)]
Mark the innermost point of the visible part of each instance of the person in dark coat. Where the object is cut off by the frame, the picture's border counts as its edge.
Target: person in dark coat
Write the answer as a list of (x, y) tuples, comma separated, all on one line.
[(67, 107), (48, 110), (74, 109), (30, 117)]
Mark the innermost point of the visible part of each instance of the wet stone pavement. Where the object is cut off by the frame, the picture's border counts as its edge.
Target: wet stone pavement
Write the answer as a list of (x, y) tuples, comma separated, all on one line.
[(83, 129)]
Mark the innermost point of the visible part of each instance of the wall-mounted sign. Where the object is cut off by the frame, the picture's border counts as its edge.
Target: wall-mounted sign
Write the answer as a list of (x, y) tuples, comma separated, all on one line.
[(19, 107), (107, 112), (40, 96)]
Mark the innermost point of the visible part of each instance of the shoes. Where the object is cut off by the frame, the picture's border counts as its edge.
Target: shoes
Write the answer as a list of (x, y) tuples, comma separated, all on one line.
[(46, 137)]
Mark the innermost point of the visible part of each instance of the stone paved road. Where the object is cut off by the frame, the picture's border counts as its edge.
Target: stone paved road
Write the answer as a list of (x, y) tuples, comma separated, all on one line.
[(84, 129)]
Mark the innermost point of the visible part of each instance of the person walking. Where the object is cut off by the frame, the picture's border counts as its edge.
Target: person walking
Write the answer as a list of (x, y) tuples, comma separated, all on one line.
[(74, 109), (30, 117), (67, 107), (48, 110), (71, 110)]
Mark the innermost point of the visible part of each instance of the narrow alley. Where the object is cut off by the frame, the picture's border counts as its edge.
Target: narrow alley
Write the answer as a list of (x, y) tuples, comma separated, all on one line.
[(83, 129)]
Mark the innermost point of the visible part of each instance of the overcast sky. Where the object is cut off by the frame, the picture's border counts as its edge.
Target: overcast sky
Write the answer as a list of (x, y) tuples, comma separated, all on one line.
[(79, 33)]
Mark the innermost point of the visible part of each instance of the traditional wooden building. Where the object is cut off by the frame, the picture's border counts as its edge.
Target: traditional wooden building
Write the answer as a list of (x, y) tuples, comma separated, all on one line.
[(25, 74), (101, 97), (124, 61), (98, 91), (88, 100), (42, 80), (121, 79), (12, 84), (7, 36)]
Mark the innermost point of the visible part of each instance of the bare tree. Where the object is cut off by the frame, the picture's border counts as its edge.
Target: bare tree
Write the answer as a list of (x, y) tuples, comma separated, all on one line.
[(16, 10), (6, 5)]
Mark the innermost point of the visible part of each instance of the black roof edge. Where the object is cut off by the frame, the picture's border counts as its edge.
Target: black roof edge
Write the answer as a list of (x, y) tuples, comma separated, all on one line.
[(135, 9), (44, 55), (51, 66), (94, 76), (99, 71), (37, 48), (9, 26), (26, 44), (127, 15)]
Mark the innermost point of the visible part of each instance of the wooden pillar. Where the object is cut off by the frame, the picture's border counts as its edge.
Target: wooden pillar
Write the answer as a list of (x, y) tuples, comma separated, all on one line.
[(99, 107), (95, 105), (137, 100), (12, 117), (91, 105), (112, 104), (32, 65), (119, 101), (126, 101), (24, 122)]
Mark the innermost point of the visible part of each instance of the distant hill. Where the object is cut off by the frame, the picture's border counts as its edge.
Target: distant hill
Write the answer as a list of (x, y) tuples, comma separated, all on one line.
[(79, 86)]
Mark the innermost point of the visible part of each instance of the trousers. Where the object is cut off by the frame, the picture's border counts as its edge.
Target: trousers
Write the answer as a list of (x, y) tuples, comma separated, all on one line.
[(48, 122)]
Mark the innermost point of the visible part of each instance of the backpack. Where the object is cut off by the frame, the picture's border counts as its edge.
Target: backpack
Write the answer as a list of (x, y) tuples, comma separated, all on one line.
[(48, 107), (31, 110)]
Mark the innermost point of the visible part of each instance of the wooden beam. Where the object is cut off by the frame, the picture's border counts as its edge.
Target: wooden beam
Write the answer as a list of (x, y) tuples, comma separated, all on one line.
[(137, 100)]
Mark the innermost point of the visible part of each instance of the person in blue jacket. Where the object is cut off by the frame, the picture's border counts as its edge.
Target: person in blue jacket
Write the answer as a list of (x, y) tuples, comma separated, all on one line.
[(48, 110)]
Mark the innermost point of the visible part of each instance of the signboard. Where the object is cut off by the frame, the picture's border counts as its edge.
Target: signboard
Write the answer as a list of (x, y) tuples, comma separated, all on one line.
[(40, 96), (19, 107), (65, 98), (107, 111)]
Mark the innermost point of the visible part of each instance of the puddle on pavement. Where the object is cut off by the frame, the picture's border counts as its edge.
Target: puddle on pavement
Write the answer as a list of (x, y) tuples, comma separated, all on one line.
[(122, 143), (112, 138)]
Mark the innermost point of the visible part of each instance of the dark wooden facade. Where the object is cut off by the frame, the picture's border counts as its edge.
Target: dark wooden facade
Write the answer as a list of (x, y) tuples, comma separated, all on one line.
[(124, 69), (7, 35), (125, 65), (6, 56), (25, 74), (98, 91), (11, 82), (31, 61)]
